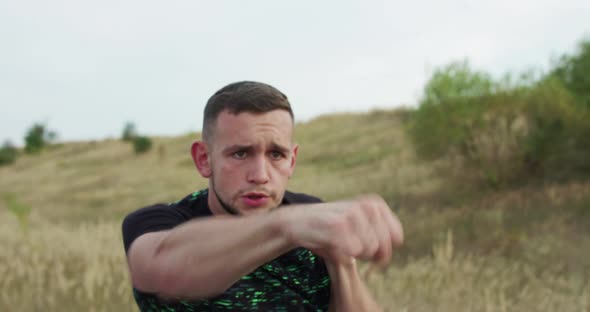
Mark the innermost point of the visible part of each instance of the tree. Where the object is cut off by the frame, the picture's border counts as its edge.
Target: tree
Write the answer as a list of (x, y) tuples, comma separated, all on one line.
[(456, 81), (34, 140), (8, 153), (37, 137), (129, 132), (574, 72), (450, 108)]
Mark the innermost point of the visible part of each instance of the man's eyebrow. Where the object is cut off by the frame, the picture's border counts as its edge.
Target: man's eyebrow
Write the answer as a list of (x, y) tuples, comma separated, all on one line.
[(279, 147), (237, 147)]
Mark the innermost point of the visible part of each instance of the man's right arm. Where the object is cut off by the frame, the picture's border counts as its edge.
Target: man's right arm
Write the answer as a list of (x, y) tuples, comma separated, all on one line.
[(204, 257)]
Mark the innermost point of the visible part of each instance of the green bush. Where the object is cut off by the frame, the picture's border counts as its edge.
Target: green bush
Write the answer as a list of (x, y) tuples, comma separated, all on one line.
[(574, 72), (456, 81), (142, 144), (502, 133), (449, 109), (8, 153), (37, 138), (34, 139), (558, 142)]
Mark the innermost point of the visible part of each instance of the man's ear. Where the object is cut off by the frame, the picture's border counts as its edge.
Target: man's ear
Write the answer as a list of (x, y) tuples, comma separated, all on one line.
[(200, 155), (293, 160)]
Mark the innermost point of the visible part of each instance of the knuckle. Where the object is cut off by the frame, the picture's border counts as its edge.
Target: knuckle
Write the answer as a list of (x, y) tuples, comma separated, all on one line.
[(373, 204), (374, 247), (336, 224), (372, 209), (350, 216)]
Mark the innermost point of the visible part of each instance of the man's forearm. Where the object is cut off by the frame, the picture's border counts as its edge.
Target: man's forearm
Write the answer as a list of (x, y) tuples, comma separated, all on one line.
[(349, 292), (203, 258)]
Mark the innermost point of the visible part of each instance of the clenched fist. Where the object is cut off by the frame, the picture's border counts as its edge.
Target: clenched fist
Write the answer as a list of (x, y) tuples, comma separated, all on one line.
[(364, 228)]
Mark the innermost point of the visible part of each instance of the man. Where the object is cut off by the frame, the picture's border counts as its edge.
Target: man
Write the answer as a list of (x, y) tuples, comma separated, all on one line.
[(245, 243)]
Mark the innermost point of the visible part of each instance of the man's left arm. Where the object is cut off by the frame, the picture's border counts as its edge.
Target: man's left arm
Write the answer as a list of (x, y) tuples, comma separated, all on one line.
[(341, 232), (348, 292)]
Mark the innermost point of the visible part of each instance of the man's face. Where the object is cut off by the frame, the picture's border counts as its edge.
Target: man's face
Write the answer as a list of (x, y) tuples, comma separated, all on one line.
[(251, 158)]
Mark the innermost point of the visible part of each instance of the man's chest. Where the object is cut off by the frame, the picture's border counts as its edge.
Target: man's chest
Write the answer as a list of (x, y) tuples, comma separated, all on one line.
[(294, 282)]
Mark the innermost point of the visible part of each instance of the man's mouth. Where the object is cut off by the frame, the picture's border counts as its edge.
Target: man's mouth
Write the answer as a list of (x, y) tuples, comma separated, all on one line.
[(255, 199)]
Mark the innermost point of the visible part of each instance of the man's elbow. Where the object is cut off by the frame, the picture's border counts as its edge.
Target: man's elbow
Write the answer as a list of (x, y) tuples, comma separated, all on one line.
[(156, 281), (144, 270), (153, 270), (146, 260)]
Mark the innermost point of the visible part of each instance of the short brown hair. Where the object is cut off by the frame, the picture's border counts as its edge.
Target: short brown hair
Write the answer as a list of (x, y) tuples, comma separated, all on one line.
[(243, 96)]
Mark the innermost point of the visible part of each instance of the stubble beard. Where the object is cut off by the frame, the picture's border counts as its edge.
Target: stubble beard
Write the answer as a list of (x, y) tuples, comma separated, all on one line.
[(227, 207)]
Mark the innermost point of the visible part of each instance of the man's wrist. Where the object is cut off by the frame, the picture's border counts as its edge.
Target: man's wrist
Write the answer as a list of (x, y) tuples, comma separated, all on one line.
[(281, 221), (349, 292)]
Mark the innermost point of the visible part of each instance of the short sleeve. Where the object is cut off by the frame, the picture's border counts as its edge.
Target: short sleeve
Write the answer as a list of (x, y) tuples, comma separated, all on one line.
[(149, 219)]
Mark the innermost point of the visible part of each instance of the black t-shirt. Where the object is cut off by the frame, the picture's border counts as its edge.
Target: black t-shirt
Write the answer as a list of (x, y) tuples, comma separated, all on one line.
[(295, 281)]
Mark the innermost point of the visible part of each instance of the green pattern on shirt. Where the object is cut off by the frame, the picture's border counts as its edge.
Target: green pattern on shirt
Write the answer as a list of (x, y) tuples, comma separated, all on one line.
[(295, 281), (284, 288)]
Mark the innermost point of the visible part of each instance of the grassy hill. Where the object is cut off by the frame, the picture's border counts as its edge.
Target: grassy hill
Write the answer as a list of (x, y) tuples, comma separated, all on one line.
[(340, 156), (524, 249)]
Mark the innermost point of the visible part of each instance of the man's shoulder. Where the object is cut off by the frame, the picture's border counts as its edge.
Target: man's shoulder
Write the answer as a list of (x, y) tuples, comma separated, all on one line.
[(300, 198), (162, 216), (192, 205)]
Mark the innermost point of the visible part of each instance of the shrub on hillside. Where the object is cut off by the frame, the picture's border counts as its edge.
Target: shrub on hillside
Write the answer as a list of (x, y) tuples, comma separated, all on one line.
[(527, 133), (574, 70), (37, 137), (558, 142), (8, 154), (454, 82), (449, 109), (141, 144), (34, 141), (501, 133)]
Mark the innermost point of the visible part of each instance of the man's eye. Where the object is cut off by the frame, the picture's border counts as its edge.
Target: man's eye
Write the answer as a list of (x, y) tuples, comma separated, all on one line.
[(239, 155), (276, 155)]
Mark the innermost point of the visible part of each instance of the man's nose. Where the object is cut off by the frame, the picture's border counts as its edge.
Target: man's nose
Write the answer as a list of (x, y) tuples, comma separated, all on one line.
[(258, 171)]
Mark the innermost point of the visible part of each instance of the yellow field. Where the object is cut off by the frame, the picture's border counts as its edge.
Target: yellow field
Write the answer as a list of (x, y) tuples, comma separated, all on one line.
[(518, 250), (82, 268)]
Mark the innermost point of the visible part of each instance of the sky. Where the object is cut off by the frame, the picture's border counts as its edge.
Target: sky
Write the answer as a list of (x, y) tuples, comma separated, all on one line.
[(85, 68)]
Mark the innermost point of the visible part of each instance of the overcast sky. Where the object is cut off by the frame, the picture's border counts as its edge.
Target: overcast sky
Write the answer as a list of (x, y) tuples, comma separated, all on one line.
[(87, 67)]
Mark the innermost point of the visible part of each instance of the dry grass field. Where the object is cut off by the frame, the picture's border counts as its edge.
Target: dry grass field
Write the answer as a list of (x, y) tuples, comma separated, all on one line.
[(522, 249)]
